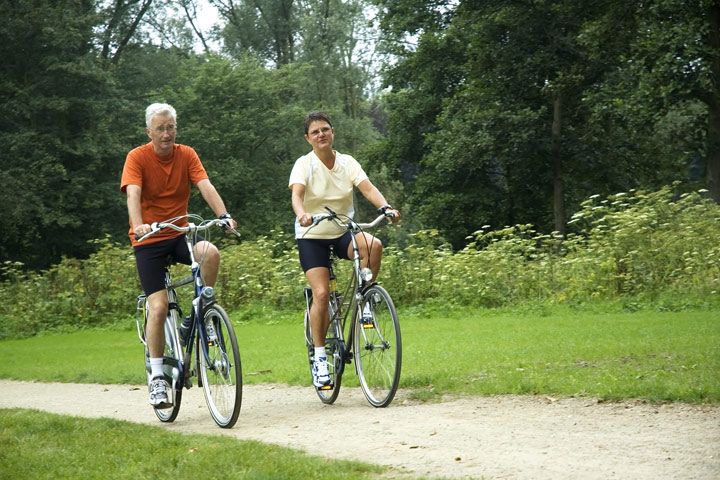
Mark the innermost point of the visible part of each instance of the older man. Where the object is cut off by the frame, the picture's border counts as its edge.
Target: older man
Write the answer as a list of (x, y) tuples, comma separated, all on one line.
[(156, 179)]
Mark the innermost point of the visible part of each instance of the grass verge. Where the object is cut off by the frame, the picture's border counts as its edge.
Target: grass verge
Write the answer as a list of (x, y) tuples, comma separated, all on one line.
[(42, 445), (612, 355)]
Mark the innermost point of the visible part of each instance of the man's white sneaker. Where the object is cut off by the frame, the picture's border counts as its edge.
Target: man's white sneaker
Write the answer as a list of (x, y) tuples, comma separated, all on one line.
[(320, 372), (158, 392)]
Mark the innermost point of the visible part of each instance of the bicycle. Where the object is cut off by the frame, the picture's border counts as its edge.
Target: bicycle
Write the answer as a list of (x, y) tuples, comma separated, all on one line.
[(376, 346), (210, 333)]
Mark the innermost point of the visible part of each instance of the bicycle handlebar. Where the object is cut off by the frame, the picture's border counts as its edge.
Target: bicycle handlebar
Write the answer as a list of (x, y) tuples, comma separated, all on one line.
[(350, 223), (204, 225)]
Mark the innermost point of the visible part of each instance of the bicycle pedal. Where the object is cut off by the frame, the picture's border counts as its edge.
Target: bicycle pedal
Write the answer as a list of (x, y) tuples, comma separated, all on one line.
[(326, 387), (367, 325)]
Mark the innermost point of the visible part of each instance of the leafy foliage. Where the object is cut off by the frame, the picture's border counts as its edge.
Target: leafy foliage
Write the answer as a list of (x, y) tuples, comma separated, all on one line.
[(639, 248), (55, 128), (513, 112), (494, 113)]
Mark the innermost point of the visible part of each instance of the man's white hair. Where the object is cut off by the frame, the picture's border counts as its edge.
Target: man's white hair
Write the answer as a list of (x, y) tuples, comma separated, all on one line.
[(159, 109)]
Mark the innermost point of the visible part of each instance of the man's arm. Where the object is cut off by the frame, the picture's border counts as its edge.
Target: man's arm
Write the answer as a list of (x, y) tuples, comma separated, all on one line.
[(133, 193), (212, 197)]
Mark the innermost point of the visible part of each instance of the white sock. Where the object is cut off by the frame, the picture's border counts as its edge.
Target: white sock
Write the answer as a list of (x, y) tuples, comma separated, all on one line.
[(366, 310), (320, 353), (156, 367)]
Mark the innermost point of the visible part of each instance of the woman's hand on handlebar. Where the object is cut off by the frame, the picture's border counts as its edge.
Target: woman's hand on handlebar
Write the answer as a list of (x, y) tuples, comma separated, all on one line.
[(305, 220), (392, 214)]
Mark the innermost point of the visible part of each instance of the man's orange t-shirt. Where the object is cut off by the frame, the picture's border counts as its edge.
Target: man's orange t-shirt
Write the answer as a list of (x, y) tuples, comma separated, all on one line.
[(165, 184)]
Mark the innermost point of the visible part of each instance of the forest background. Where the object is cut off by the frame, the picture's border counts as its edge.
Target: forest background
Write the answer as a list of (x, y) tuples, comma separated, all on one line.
[(538, 123)]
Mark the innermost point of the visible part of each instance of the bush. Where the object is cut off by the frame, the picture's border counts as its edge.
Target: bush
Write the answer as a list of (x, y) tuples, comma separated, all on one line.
[(641, 248)]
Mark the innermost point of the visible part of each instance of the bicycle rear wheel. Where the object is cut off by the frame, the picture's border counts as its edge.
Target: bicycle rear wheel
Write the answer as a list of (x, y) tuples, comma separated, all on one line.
[(335, 353), (221, 377), (378, 348), (172, 359), (171, 413)]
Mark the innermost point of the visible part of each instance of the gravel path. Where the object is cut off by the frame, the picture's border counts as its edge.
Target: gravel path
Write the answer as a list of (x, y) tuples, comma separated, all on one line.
[(505, 437)]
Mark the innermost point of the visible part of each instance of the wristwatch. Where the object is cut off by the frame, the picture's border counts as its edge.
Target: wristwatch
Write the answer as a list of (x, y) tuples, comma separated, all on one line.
[(384, 208), (225, 216)]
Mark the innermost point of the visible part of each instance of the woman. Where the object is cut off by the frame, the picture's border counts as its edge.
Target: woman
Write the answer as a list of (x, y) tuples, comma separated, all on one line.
[(325, 177)]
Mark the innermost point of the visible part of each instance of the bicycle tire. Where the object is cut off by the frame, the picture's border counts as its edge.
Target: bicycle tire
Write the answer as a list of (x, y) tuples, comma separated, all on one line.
[(170, 414), (335, 351), (172, 358), (377, 348), (221, 378)]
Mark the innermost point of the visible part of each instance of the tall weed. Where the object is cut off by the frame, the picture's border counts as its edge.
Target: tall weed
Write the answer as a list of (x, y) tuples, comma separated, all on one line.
[(655, 249)]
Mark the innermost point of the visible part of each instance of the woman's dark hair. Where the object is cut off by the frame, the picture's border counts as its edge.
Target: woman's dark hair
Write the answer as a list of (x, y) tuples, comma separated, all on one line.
[(314, 117)]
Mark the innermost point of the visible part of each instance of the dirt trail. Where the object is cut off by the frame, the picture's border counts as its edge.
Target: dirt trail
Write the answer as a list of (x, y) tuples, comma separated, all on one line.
[(506, 437)]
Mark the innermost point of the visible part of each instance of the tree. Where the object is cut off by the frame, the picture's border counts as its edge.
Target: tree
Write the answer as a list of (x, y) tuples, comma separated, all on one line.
[(246, 123), (509, 112), (264, 28), (664, 99), (55, 125), (123, 18)]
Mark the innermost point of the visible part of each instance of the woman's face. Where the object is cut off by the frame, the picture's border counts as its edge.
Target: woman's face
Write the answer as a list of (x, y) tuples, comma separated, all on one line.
[(320, 135)]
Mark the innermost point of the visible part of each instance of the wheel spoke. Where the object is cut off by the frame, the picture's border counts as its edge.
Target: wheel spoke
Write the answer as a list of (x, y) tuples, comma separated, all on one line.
[(378, 350), (221, 372)]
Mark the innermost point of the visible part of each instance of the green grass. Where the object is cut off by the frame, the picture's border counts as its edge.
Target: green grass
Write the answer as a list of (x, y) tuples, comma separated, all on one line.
[(41, 445), (651, 355), (656, 356)]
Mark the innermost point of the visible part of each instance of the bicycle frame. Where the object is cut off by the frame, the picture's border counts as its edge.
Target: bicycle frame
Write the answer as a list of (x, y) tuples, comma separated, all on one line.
[(368, 338), (196, 325), (353, 293)]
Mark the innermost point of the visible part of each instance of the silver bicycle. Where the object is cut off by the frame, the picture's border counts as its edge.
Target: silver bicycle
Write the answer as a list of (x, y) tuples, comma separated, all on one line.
[(210, 337), (373, 341)]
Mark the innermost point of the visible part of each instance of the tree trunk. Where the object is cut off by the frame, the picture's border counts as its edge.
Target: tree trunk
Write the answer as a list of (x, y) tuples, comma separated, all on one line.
[(713, 133), (556, 154)]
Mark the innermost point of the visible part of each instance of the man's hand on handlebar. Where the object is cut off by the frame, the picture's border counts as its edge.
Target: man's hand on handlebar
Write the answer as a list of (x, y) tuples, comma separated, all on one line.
[(141, 230), (228, 222)]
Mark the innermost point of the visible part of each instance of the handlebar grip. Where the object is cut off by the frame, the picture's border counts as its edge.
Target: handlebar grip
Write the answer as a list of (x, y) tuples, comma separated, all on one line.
[(154, 227)]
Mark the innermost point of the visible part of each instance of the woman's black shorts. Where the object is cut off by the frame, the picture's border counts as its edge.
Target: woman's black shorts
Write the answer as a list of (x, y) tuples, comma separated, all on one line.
[(315, 252)]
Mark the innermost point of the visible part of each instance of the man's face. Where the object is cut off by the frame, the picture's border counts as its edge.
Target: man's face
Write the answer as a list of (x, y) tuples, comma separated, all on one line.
[(320, 134), (162, 134)]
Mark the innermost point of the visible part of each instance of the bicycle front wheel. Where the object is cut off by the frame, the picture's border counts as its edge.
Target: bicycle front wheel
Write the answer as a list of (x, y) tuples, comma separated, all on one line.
[(334, 348), (377, 348), (221, 376)]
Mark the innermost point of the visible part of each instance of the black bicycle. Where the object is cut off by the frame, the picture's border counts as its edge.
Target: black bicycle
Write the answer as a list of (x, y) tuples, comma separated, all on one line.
[(210, 339), (373, 341)]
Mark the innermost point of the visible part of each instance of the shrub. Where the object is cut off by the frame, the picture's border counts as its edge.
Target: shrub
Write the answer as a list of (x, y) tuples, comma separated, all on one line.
[(643, 248)]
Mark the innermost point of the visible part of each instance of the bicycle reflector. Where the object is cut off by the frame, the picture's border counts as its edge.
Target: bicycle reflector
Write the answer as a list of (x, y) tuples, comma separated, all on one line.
[(366, 274)]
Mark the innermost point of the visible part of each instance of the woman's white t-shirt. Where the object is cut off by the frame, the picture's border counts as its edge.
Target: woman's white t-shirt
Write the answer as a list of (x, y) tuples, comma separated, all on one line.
[(326, 188)]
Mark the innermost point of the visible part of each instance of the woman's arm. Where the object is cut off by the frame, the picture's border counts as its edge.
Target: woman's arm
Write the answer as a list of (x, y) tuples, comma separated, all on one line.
[(298, 204), (376, 198)]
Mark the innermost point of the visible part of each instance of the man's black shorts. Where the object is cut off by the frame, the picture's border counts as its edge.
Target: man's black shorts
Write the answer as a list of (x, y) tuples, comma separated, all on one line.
[(315, 252), (152, 259)]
